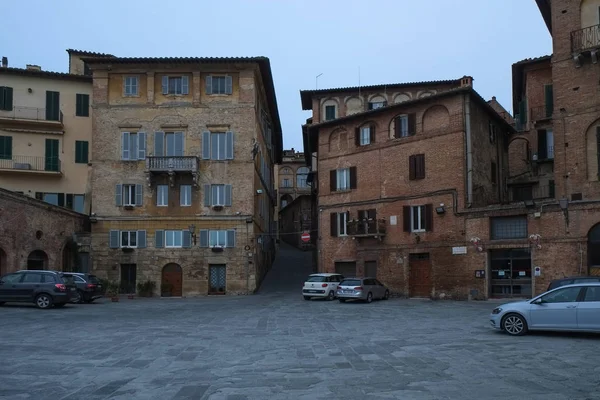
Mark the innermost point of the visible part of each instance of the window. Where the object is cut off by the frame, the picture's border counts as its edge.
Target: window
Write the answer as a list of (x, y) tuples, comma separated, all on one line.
[(162, 195), (6, 98), (286, 171), (301, 176), (185, 195), (405, 125), (131, 86), (51, 278), (342, 179), (81, 152), (418, 218), (287, 183), (549, 100), (592, 293), (545, 144), (5, 147), (492, 132), (12, 278), (32, 278), (219, 84), (508, 227), (284, 203), (168, 144), (52, 106), (82, 105), (493, 172), (174, 238), (416, 167), (567, 295), (329, 113), (365, 136), (217, 146), (522, 193), (129, 195), (175, 85), (377, 104), (133, 146), (339, 222), (217, 238), (128, 238), (51, 198), (78, 203), (217, 195)]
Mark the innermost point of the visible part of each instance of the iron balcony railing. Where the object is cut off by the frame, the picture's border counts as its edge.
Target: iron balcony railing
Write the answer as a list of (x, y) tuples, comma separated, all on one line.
[(366, 227), (172, 163), (30, 113), (524, 193), (585, 39), (540, 113), (30, 163)]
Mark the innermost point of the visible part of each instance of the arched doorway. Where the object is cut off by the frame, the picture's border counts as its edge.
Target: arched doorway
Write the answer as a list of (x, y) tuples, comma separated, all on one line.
[(37, 259), (171, 281), (3, 263), (594, 250)]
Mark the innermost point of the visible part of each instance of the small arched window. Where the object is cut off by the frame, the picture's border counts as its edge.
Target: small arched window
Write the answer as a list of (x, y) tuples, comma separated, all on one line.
[(301, 175)]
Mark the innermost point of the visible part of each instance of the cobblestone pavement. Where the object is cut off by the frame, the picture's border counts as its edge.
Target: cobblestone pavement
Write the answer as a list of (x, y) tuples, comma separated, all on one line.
[(275, 345)]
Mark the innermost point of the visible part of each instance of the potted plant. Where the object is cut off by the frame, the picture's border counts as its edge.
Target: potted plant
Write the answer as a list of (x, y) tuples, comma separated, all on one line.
[(166, 289), (146, 289), (112, 291)]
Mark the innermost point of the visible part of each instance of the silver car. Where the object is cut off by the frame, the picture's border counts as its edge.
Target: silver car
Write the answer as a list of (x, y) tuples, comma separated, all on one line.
[(567, 308), (365, 289)]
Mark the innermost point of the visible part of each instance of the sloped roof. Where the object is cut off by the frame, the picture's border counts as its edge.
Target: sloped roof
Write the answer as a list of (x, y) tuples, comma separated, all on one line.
[(44, 74), (88, 53), (518, 78)]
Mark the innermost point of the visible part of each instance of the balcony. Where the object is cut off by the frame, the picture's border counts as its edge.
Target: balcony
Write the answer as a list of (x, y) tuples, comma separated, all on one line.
[(541, 113), (31, 165), (371, 227), (585, 39), (172, 165), (530, 192), (31, 116)]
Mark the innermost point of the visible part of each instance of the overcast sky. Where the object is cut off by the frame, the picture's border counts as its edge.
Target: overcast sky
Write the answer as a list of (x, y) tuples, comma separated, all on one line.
[(390, 40)]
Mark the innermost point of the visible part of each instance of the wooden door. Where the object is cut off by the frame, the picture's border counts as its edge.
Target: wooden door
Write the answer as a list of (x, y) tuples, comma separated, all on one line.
[(420, 275), (172, 281)]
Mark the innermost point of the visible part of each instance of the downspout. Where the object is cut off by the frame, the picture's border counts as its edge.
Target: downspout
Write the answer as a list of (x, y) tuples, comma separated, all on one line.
[(469, 149)]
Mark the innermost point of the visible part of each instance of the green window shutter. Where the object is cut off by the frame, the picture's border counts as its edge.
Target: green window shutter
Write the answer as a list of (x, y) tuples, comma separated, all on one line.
[(6, 98), (51, 159), (5, 147), (52, 106), (82, 105), (81, 152), (549, 97)]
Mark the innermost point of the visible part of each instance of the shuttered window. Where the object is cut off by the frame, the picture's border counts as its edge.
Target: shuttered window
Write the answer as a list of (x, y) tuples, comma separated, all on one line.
[(343, 179), (329, 113), (133, 146), (82, 105), (170, 144), (217, 146), (175, 85), (130, 239), (81, 151), (416, 166), (52, 106), (418, 218), (6, 98), (549, 100), (217, 195), (128, 195), (5, 147), (219, 84), (217, 238), (405, 125), (365, 135)]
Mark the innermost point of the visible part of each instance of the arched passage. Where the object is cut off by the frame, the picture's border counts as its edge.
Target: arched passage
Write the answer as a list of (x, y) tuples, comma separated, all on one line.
[(37, 259), (171, 283), (593, 250), (3, 263)]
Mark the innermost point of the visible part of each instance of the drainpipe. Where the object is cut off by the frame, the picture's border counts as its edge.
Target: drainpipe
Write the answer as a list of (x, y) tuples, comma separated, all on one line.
[(469, 148)]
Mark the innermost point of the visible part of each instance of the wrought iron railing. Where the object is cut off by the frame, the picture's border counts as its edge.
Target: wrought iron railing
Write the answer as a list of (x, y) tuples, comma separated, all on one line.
[(523, 193), (29, 113), (585, 39), (30, 163), (165, 164), (540, 113), (366, 227)]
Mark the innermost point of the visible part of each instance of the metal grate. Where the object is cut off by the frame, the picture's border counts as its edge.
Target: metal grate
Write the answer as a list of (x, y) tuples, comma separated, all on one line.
[(508, 228)]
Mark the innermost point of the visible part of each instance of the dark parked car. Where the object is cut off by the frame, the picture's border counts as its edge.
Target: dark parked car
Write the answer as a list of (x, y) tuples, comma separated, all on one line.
[(43, 288), (572, 280), (89, 287)]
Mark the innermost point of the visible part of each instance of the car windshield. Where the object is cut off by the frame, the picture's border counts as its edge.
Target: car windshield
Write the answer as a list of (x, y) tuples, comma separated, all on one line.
[(317, 279), (350, 282)]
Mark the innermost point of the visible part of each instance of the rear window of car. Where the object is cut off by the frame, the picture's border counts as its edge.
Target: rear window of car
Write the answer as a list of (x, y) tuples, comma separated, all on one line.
[(350, 282), (68, 279), (317, 279), (93, 279), (49, 278)]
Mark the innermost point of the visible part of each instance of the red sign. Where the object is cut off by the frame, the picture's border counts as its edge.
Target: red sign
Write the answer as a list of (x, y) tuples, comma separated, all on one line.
[(305, 237)]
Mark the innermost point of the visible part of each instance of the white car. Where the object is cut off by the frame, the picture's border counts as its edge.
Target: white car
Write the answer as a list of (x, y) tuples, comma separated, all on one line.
[(567, 308), (321, 285)]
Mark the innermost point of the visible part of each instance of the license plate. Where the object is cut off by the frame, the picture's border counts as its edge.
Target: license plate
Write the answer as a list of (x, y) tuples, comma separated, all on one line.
[(313, 291)]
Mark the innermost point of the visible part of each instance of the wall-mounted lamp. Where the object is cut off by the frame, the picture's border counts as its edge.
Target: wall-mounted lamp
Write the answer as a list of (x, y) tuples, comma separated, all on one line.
[(192, 229), (529, 203), (440, 210), (259, 191)]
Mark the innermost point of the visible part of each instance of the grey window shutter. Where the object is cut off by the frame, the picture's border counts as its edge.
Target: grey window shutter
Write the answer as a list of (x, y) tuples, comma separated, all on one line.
[(228, 190), (114, 239), (125, 146), (207, 195), (141, 239), (187, 239), (209, 84), (159, 144), (228, 84), (159, 239), (165, 84), (133, 146), (203, 237), (139, 195), (141, 145), (229, 145), (119, 195), (185, 84), (178, 144), (230, 238), (206, 145)]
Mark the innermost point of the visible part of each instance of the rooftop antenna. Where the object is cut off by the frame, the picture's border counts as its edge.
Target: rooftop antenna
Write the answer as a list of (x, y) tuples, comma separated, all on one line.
[(317, 81)]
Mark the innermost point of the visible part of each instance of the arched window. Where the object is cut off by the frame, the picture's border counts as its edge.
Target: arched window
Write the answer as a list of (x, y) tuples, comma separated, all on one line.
[(301, 175)]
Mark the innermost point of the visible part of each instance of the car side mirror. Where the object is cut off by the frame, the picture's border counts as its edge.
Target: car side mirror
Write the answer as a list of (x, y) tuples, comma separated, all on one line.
[(538, 301)]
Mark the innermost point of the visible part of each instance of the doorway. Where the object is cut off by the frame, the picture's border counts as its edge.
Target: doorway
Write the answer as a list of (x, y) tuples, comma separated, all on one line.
[(37, 259), (510, 273), (171, 283), (593, 250), (128, 278), (420, 275), (371, 269), (217, 279), (346, 268)]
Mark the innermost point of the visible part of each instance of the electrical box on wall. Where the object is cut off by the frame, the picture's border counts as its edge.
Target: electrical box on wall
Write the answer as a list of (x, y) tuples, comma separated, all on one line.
[(537, 271)]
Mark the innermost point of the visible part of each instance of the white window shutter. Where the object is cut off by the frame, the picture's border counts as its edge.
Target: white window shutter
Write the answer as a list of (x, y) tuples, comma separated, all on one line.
[(165, 84), (141, 145), (125, 146), (228, 84)]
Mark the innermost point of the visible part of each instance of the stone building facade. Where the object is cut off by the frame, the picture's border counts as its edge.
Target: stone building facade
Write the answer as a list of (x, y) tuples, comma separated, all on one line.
[(183, 186), (38, 235)]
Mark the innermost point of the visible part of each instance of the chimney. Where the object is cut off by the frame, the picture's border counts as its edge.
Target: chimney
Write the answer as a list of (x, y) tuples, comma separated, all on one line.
[(4, 62), (466, 81), (292, 150), (32, 67)]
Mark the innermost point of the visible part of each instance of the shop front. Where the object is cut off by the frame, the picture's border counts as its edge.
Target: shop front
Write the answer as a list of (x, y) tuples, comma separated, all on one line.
[(510, 273)]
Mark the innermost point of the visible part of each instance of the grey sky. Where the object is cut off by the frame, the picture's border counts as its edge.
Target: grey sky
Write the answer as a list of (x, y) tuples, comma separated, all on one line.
[(391, 40)]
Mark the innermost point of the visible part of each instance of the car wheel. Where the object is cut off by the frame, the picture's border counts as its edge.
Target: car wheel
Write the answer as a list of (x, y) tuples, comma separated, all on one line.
[(59, 305), (306, 297), (331, 295), (43, 301), (342, 300), (386, 296), (514, 325), (369, 297), (79, 297)]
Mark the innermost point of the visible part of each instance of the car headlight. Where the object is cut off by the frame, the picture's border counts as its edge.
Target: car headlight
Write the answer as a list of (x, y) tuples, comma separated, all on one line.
[(497, 310)]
